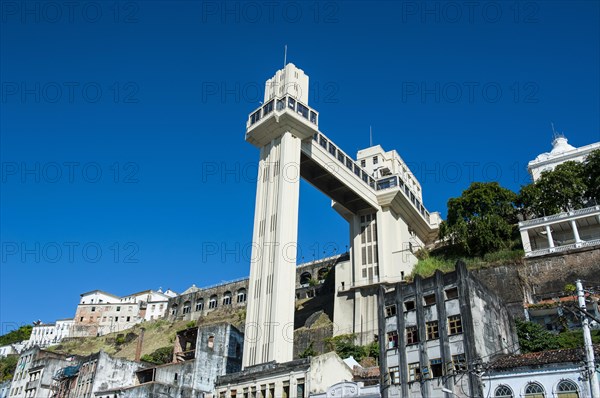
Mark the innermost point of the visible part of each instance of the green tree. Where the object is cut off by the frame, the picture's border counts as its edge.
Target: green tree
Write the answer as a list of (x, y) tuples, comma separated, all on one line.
[(482, 219), (15, 336), (591, 172), (533, 337), (562, 189), (344, 346), (8, 365)]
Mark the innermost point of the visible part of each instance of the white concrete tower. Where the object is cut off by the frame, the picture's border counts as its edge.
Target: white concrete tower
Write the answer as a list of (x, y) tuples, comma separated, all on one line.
[(376, 193), (270, 314)]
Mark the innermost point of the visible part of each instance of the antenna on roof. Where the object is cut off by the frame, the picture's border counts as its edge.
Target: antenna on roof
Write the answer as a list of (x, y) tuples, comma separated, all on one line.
[(370, 136), (284, 55), (556, 134)]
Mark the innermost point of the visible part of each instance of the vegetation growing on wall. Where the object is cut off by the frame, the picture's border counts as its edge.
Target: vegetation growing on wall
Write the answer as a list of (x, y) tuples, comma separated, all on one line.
[(345, 347), (161, 356)]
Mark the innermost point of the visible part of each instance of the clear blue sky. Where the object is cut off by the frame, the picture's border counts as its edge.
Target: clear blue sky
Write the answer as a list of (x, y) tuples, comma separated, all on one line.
[(115, 118)]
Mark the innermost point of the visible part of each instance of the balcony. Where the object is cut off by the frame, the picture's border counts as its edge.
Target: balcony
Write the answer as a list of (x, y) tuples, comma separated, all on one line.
[(281, 105), (561, 232)]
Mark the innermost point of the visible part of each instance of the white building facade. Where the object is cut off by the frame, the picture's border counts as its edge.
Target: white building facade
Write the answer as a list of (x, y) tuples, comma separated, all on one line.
[(100, 313), (44, 335), (564, 231)]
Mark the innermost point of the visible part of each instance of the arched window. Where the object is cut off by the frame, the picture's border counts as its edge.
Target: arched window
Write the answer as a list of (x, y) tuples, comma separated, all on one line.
[(503, 392), (227, 298), (534, 390), (187, 307), (567, 389), (323, 273), (212, 303), (200, 304), (174, 309), (241, 295), (211, 341), (305, 278)]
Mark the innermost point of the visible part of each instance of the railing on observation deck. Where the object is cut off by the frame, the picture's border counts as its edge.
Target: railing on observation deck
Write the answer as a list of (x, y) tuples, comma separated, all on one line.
[(280, 105)]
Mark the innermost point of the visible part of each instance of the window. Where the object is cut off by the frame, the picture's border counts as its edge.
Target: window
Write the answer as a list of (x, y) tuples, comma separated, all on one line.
[(375, 160), (118, 308), (300, 388), (286, 390), (460, 363), (412, 335), (451, 293), (302, 110), (436, 367), (363, 163), (187, 307), (454, 324), (392, 339), (432, 330), (93, 309), (213, 302), (503, 392), (390, 310), (414, 371), (409, 305), (291, 103), (211, 342), (394, 375), (271, 390), (174, 309), (81, 319), (305, 278), (199, 304), (128, 319), (429, 299), (567, 389), (241, 295), (332, 149), (534, 390), (227, 298)]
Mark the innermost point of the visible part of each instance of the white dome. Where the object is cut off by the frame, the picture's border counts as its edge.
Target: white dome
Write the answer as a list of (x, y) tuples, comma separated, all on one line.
[(561, 145)]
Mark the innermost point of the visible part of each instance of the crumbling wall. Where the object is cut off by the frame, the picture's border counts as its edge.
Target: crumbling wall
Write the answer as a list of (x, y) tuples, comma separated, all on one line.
[(539, 277)]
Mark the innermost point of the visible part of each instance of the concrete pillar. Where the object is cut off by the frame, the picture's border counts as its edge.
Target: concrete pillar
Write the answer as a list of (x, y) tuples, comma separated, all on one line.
[(525, 240), (270, 311), (549, 236), (575, 231)]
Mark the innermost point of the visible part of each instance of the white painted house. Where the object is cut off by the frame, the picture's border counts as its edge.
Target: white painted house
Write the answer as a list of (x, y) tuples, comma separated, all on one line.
[(546, 374)]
